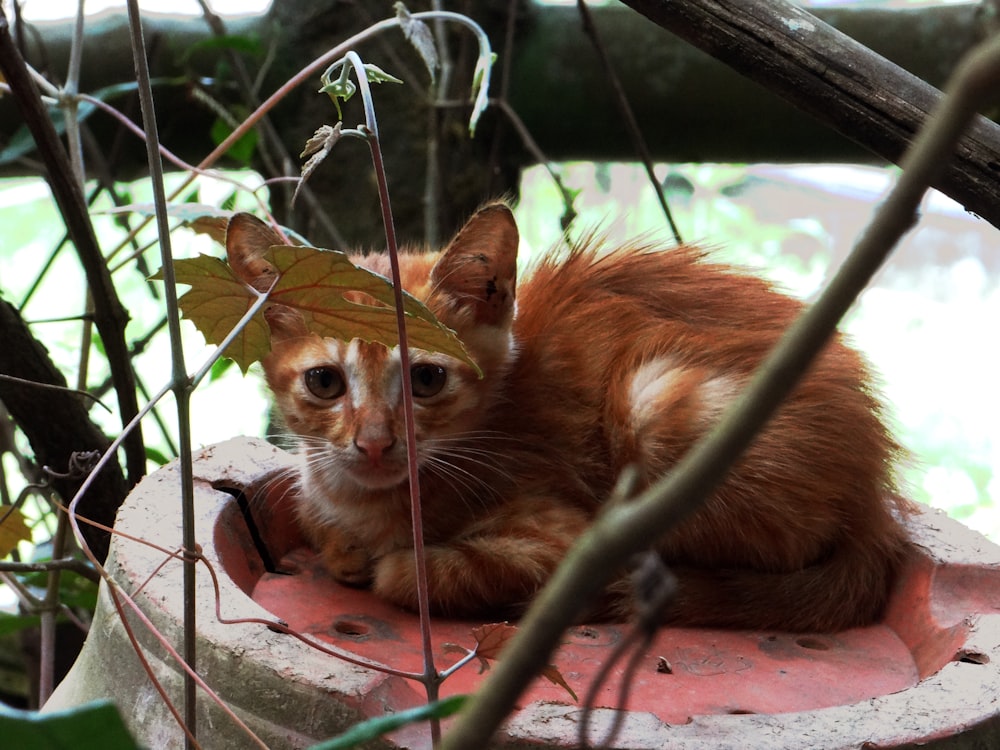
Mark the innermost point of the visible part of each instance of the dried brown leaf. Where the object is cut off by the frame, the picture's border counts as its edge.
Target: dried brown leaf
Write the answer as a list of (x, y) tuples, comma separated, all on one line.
[(420, 36), (317, 148), (13, 529), (490, 641)]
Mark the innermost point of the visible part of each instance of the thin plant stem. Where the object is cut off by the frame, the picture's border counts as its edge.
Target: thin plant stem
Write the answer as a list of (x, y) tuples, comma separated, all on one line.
[(531, 145), (118, 595), (430, 676), (437, 92), (69, 101), (281, 627), (628, 527), (77, 566), (180, 382), (150, 405)]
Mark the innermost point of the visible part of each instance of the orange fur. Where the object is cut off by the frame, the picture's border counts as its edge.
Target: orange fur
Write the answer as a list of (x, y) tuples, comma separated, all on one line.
[(605, 361)]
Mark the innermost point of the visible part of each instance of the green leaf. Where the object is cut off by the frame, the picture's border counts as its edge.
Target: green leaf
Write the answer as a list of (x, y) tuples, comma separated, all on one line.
[(342, 88), (156, 456), (245, 44), (243, 150), (94, 726), (216, 302), (75, 590), (22, 142), (219, 369), (375, 74), (372, 729), (16, 623), (481, 85)]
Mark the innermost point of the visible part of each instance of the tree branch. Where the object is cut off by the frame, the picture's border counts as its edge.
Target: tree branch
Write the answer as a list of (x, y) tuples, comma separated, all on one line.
[(56, 423), (110, 316), (837, 80)]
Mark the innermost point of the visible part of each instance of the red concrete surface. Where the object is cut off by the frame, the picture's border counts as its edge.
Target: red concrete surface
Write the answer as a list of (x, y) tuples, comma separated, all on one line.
[(686, 673)]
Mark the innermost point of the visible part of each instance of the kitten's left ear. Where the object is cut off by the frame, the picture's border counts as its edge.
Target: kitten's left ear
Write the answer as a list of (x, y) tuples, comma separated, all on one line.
[(247, 239), (479, 267)]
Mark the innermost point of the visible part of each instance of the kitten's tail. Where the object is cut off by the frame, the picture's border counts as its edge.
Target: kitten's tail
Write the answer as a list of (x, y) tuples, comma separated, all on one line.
[(848, 589)]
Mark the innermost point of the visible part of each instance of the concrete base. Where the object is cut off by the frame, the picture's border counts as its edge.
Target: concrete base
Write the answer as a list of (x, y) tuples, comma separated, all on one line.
[(928, 675)]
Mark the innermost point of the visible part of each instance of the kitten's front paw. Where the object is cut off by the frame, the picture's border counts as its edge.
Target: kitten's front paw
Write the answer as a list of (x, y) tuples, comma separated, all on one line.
[(346, 559), (395, 578)]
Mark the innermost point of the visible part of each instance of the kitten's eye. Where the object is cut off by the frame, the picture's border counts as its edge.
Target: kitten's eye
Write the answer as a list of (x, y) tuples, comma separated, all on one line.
[(325, 382), (427, 380)]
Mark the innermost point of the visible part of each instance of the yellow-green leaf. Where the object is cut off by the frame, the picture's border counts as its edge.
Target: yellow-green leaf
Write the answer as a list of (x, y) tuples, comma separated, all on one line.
[(216, 302), (13, 529), (313, 282)]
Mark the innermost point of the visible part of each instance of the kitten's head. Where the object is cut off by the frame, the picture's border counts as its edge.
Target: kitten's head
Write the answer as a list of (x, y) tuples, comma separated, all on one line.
[(344, 399)]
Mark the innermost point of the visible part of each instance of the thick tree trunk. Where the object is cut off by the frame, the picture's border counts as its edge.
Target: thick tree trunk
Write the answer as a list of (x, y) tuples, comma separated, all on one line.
[(58, 426)]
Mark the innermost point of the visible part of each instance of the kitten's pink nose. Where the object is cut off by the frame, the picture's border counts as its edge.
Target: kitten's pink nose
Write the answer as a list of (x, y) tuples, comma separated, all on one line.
[(374, 445)]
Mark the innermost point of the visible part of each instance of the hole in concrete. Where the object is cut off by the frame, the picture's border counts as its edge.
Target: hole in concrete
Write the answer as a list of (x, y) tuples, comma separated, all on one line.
[(351, 628), (739, 712), (251, 522), (971, 657), (584, 635), (812, 643)]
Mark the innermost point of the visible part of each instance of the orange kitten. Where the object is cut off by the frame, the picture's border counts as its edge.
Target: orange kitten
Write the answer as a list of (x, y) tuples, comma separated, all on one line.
[(604, 361)]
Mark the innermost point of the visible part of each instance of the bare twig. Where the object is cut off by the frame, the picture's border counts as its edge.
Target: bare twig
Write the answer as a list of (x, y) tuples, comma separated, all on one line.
[(430, 677), (625, 110), (71, 564), (50, 605), (68, 101), (627, 527), (529, 143), (276, 159), (279, 163), (34, 384)]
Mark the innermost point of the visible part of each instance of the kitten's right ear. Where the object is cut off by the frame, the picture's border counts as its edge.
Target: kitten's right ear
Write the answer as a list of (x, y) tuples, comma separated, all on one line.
[(479, 266), (247, 239)]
